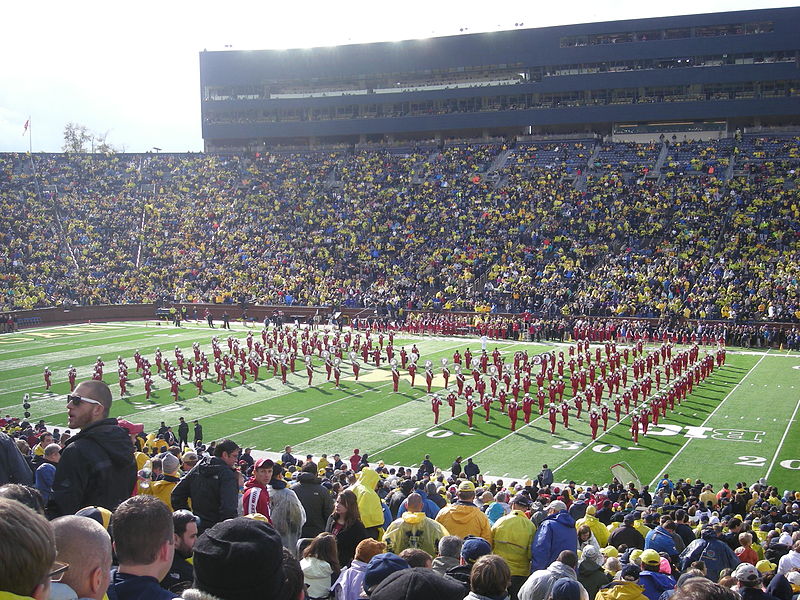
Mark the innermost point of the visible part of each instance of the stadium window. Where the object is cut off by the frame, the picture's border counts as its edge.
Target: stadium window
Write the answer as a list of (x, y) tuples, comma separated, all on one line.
[(677, 34)]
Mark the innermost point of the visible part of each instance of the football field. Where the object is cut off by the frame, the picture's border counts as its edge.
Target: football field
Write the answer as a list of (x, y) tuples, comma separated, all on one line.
[(739, 425)]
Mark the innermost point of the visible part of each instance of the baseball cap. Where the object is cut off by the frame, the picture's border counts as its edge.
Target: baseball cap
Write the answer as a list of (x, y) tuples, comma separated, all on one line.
[(629, 519), (474, 547), (380, 567), (746, 572), (522, 500), (264, 463), (609, 552), (466, 486), (557, 505), (650, 557), (765, 566), (132, 428)]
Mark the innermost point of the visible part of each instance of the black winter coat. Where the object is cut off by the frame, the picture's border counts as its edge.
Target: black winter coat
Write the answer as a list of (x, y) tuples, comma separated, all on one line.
[(97, 468), (214, 490), (347, 540), (317, 502)]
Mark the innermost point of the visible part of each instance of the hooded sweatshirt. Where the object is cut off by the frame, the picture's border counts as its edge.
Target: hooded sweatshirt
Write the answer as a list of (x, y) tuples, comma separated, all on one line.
[(255, 499), (414, 530), (288, 514), (538, 585), (317, 574), (621, 590), (463, 519), (348, 585), (369, 503), (715, 553), (97, 468), (655, 583)]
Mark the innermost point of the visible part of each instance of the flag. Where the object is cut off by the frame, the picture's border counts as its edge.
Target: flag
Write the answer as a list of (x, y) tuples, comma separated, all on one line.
[(25, 127)]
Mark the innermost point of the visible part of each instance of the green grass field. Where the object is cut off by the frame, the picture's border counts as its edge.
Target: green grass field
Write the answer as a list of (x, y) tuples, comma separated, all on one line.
[(739, 425)]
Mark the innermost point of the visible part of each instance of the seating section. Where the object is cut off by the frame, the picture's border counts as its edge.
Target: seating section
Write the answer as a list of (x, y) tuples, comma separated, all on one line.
[(558, 227)]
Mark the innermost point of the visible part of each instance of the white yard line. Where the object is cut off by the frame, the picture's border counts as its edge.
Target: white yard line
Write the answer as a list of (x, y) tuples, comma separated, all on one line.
[(783, 439), (666, 467)]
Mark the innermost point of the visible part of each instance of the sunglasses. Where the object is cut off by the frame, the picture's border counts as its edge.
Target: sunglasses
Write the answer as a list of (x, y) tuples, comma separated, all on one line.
[(76, 400), (58, 571)]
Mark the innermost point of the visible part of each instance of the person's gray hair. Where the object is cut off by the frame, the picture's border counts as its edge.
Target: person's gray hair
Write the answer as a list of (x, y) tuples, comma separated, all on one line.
[(450, 545), (52, 449)]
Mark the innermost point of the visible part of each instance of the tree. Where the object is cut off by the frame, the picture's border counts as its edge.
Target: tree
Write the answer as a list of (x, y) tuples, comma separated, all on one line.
[(76, 138)]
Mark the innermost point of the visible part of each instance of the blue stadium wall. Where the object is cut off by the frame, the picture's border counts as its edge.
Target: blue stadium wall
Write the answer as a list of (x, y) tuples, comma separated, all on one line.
[(530, 48)]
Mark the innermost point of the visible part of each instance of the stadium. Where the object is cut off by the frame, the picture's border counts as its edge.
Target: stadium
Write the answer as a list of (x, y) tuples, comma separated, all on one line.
[(574, 246)]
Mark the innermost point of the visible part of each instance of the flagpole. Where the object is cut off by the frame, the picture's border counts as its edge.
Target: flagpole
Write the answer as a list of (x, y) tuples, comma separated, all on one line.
[(30, 136)]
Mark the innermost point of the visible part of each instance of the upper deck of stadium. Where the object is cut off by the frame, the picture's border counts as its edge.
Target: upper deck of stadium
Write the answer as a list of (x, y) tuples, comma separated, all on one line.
[(708, 72)]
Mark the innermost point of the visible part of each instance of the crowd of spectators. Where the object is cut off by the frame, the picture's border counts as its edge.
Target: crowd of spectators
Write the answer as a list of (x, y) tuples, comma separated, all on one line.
[(559, 228), (348, 528)]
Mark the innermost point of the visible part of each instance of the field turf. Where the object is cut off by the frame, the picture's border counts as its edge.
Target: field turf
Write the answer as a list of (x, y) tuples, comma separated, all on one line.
[(739, 425)]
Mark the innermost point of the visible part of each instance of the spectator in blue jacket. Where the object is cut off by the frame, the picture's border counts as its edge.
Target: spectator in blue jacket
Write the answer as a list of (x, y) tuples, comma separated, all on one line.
[(46, 472), (661, 539), (654, 582), (555, 534), (715, 553)]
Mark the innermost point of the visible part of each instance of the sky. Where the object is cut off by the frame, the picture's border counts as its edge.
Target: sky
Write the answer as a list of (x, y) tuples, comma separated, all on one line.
[(131, 70)]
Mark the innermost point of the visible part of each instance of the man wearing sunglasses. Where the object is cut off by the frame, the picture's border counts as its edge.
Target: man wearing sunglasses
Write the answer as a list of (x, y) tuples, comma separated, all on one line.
[(97, 467)]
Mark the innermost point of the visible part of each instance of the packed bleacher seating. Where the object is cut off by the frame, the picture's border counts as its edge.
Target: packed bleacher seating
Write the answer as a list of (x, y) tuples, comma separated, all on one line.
[(334, 526), (559, 228)]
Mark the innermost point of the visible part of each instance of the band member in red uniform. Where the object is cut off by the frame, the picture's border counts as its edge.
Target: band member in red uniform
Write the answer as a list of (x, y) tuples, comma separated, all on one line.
[(594, 422), (565, 414), (47, 374), (309, 367), (199, 383), (412, 371), (487, 405), (460, 379), (471, 405), (72, 375), (451, 400), (337, 373), (445, 374), (604, 415), (513, 410), (635, 427), (395, 376), (356, 368), (436, 402), (428, 377), (148, 387), (527, 406), (552, 413), (123, 383), (540, 397)]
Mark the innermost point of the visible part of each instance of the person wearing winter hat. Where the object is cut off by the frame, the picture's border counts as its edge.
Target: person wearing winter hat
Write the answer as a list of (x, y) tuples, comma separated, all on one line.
[(238, 559), (417, 583), (567, 589), (590, 571), (379, 568), (166, 482)]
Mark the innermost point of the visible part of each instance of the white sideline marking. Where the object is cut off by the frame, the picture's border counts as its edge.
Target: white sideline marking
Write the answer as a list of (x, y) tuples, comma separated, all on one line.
[(780, 444), (666, 467)]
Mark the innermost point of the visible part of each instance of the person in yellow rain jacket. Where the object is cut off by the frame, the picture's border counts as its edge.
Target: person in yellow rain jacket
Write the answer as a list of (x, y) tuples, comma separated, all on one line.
[(598, 529), (369, 503), (414, 530), (463, 517)]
